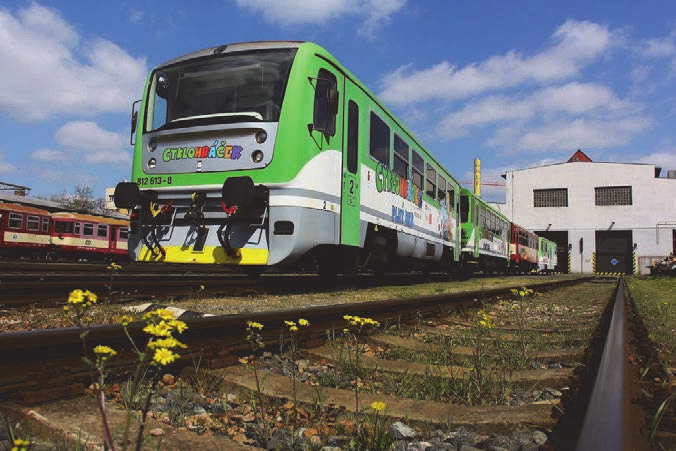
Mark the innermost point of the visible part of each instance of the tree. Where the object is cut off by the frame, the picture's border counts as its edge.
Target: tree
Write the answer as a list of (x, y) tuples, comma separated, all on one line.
[(82, 200)]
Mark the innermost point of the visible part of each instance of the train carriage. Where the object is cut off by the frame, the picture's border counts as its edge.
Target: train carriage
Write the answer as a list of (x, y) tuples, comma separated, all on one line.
[(547, 255), (272, 153), (83, 236), (523, 249), (24, 231), (485, 235)]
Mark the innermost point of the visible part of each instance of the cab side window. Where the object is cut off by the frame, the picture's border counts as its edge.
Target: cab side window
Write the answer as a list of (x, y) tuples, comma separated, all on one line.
[(325, 107)]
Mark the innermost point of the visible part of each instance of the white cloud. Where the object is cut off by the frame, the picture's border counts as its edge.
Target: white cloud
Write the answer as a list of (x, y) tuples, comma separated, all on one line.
[(580, 133), (572, 99), (575, 45), (662, 159), (658, 47), (135, 15), (7, 168), (287, 13), (51, 74), (92, 143), (49, 155)]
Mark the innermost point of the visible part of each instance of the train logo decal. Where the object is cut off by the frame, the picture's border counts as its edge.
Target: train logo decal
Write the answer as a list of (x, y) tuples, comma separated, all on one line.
[(388, 181), (217, 150), (401, 216)]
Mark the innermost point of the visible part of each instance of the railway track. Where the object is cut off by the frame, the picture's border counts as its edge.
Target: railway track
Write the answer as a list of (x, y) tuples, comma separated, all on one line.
[(46, 365), (49, 284)]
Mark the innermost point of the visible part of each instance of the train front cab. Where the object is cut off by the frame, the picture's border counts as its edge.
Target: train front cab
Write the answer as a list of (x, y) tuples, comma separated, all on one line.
[(24, 231)]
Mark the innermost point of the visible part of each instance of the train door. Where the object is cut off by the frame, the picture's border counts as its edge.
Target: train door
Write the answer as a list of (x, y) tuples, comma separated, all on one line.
[(112, 243), (614, 251), (350, 200)]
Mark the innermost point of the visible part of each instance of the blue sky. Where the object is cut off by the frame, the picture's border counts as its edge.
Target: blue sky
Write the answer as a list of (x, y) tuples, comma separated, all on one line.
[(514, 83)]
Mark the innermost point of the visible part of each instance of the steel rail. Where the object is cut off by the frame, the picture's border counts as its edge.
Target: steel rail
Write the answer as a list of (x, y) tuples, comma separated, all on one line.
[(607, 422)]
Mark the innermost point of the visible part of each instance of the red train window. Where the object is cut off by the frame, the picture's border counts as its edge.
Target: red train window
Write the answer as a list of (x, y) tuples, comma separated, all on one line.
[(15, 221), (102, 231), (32, 223)]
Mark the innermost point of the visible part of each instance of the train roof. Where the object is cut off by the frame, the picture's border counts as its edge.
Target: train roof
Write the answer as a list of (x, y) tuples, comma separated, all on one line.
[(91, 218), (23, 208), (236, 47), (30, 201)]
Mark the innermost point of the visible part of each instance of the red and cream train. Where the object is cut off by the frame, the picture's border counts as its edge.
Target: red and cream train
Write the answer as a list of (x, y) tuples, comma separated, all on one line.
[(30, 232)]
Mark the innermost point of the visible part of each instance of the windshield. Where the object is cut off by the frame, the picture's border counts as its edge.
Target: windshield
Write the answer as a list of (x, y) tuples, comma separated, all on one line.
[(225, 88)]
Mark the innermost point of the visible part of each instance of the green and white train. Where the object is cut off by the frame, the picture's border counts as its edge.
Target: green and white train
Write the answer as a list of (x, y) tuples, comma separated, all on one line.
[(273, 153)]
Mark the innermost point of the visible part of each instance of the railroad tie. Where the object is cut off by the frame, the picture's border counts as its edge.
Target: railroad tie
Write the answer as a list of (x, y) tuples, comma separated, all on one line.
[(178, 313)]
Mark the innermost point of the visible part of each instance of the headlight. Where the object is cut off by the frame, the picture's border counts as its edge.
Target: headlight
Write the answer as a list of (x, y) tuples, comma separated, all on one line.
[(257, 156), (152, 163), (261, 137)]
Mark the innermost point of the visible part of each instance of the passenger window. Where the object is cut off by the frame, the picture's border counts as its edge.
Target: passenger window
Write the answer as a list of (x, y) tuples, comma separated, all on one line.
[(102, 231), (441, 189), (88, 229), (45, 224), (32, 223), (325, 103), (77, 228), (15, 221), (379, 145), (418, 170), (400, 157), (431, 187)]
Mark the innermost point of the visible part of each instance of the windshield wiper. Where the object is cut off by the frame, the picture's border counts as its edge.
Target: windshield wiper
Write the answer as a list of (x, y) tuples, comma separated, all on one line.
[(211, 119)]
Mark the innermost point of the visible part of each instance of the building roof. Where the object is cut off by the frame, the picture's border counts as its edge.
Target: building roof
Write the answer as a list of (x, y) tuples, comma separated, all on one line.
[(31, 201), (579, 156)]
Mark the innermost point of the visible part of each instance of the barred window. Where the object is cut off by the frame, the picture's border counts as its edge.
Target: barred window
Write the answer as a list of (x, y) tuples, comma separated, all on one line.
[(555, 197), (613, 195)]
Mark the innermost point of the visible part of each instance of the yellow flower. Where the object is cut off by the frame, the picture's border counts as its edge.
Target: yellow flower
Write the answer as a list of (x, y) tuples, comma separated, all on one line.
[(378, 406), (303, 322), (90, 296), (125, 320), (104, 350), (180, 326), (76, 297), (254, 325), (164, 356), (168, 343), (289, 323), (159, 330), (293, 328)]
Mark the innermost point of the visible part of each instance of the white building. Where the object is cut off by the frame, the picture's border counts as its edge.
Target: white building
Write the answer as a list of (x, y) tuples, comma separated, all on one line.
[(605, 217)]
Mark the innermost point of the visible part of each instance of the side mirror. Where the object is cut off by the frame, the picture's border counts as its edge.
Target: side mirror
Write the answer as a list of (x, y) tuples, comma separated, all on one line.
[(134, 121)]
